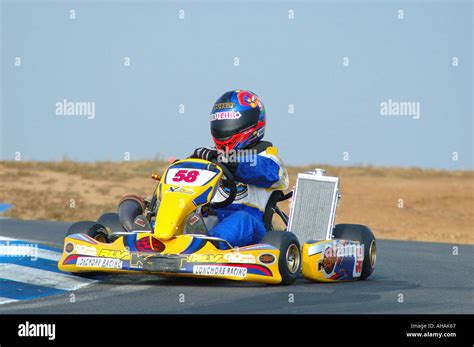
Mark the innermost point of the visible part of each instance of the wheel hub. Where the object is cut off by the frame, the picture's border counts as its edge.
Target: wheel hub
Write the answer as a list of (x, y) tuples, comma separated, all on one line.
[(293, 258), (372, 253)]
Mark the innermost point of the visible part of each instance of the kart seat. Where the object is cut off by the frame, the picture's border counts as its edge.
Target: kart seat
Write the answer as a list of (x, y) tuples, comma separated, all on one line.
[(272, 208), (203, 225)]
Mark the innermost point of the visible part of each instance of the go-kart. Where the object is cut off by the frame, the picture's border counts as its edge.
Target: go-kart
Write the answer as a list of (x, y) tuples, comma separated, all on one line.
[(168, 235)]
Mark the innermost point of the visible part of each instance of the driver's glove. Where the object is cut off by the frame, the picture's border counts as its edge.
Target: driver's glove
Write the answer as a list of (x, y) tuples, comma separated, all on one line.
[(205, 153), (232, 165)]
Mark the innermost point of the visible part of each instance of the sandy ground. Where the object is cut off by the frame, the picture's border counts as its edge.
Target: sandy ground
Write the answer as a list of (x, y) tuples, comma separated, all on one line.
[(397, 203)]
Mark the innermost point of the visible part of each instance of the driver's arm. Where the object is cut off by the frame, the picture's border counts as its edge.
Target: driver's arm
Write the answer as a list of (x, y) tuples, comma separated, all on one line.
[(265, 170)]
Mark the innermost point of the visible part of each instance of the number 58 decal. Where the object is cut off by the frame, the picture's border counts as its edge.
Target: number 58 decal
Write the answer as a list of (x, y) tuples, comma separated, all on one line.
[(188, 176)]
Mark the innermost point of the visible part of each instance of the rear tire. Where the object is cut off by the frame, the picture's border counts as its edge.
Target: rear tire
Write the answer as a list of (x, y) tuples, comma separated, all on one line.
[(93, 229), (364, 235), (289, 262)]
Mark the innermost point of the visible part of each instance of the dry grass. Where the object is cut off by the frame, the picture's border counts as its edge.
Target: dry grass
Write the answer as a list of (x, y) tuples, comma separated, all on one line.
[(437, 205)]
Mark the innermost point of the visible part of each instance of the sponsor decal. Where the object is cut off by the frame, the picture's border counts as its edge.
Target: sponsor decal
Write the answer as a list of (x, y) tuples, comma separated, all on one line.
[(341, 260), (140, 259), (135, 266), (193, 220), (179, 177), (137, 259), (181, 190), (85, 250), (225, 115), (236, 257), (247, 99), (204, 258), (140, 223), (223, 105), (218, 270), (113, 253), (242, 190), (267, 258), (328, 261), (357, 271), (69, 247), (99, 262)]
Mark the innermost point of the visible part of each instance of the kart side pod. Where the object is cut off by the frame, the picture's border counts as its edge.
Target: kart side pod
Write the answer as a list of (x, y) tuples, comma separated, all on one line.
[(332, 260)]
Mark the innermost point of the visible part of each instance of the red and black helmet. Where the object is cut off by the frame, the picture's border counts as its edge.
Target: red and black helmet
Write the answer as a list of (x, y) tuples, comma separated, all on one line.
[(237, 120)]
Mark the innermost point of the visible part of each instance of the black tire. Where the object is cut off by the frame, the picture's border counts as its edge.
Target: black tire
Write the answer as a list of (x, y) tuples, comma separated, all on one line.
[(93, 229), (364, 235), (111, 221), (287, 243)]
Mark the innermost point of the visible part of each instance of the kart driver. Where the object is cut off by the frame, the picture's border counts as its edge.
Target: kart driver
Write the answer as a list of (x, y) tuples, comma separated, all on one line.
[(237, 129)]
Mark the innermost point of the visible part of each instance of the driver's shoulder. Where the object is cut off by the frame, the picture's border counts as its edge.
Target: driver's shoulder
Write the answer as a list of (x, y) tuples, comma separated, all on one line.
[(268, 150), (261, 146)]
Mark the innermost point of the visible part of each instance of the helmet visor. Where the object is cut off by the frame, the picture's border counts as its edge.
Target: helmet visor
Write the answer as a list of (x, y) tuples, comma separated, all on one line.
[(228, 123)]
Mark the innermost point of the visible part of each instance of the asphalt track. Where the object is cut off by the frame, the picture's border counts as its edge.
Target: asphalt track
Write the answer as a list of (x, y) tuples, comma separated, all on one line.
[(427, 276)]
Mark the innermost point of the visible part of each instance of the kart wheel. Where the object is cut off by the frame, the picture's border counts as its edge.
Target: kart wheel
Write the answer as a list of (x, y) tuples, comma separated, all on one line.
[(111, 221), (289, 262), (364, 235), (93, 229)]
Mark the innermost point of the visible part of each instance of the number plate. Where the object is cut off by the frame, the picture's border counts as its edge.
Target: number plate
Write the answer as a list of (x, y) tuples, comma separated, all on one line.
[(189, 177)]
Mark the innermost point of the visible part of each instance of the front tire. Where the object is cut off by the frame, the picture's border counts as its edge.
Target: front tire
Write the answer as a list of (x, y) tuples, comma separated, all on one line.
[(364, 235), (93, 229), (289, 262)]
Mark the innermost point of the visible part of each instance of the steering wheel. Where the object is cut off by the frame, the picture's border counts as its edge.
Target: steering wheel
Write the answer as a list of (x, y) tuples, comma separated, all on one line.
[(228, 183)]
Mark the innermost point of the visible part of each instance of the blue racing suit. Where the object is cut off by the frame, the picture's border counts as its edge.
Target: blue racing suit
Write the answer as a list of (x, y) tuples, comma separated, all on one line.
[(257, 176)]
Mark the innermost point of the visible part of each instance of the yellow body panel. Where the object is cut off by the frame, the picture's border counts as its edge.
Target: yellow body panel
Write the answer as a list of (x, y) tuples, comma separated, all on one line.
[(177, 201)]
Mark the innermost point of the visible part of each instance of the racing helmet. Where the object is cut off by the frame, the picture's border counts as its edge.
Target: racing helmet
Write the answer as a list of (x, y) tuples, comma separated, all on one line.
[(237, 120)]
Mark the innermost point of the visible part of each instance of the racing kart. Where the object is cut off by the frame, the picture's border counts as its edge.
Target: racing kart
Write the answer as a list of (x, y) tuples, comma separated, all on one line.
[(168, 234)]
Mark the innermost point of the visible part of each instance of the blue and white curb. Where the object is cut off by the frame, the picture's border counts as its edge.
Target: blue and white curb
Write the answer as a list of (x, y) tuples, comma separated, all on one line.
[(29, 271), (4, 207)]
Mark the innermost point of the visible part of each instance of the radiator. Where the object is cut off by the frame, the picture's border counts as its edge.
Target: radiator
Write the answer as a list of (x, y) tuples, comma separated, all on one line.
[(313, 208)]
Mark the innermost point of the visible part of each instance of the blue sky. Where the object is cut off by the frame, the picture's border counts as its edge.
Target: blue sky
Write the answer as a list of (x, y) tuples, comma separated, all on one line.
[(286, 61)]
